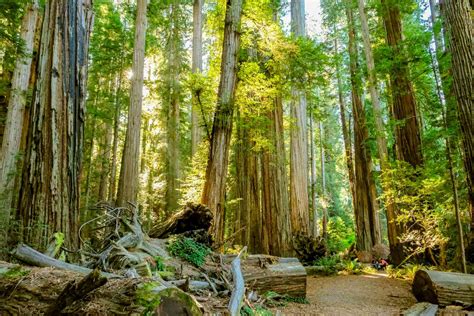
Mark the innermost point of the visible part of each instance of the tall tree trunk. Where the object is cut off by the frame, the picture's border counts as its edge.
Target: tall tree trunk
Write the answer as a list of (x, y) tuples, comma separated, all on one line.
[(128, 181), (314, 209), (105, 163), (49, 193), (391, 211), (196, 69), (275, 204), (374, 95), (249, 193), (213, 194), (461, 33), (113, 164), (441, 89), (11, 141), (324, 201), (298, 140), (89, 159), (403, 107), (345, 130), (365, 204), (172, 122), (408, 140)]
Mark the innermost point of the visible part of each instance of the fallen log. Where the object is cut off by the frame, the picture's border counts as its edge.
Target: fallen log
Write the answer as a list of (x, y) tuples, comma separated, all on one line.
[(31, 256), (37, 289), (191, 217), (265, 273), (235, 303), (444, 288), (74, 291)]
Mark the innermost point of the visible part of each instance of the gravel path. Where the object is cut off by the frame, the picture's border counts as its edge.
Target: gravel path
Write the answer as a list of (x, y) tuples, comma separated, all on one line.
[(368, 294)]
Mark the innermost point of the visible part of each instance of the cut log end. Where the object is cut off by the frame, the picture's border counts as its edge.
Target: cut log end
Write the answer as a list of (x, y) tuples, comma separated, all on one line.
[(444, 288)]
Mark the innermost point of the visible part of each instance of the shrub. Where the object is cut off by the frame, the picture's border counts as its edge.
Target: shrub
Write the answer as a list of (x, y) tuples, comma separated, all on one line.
[(189, 250)]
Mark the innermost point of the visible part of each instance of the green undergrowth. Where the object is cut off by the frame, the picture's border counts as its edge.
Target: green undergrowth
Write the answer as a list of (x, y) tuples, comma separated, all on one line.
[(333, 265), (189, 250), (406, 272)]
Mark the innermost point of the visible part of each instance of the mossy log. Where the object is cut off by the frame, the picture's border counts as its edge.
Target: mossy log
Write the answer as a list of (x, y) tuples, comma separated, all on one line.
[(34, 291), (191, 217), (444, 288), (268, 273)]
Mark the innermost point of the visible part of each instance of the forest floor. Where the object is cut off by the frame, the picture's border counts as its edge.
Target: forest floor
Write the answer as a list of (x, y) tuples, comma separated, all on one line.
[(367, 294)]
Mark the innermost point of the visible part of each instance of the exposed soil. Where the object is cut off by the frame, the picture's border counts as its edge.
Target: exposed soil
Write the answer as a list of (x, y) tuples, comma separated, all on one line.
[(367, 294)]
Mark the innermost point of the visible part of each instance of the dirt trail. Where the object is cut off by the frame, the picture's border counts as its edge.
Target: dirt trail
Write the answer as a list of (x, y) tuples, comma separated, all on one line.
[(368, 294)]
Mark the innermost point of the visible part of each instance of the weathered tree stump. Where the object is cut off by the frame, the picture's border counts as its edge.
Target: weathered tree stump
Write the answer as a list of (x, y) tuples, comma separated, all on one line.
[(444, 288), (192, 217)]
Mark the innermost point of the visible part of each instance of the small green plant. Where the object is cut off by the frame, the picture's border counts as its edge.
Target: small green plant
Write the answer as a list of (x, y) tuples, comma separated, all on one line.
[(147, 298), (189, 250), (159, 264), (328, 265), (406, 272), (352, 267)]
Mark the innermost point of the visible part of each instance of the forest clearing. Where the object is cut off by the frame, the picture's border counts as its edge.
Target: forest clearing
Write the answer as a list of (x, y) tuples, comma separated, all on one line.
[(236, 157)]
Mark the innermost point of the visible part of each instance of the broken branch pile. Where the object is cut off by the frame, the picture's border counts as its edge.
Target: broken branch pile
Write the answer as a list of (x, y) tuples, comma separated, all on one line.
[(152, 273)]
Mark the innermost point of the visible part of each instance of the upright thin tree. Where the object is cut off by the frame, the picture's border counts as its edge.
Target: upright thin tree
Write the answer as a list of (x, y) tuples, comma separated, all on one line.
[(128, 181)]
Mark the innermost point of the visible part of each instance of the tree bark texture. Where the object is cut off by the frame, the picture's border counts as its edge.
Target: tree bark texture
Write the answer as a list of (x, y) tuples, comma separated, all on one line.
[(10, 144), (213, 194), (461, 33), (275, 203), (298, 140), (196, 68), (128, 181), (407, 133), (49, 193), (365, 199), (249, 190)]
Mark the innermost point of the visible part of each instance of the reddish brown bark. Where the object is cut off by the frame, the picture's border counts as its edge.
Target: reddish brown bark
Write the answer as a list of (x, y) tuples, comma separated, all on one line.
[(49, 194), (213, 194)]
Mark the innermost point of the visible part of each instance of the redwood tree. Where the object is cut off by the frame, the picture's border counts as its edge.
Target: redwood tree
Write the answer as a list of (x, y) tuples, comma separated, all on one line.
[(458, 14), (49, 194), (213, 194), (364, 199), (298, 140), (407, 131), (10, 145), (128, 181)]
